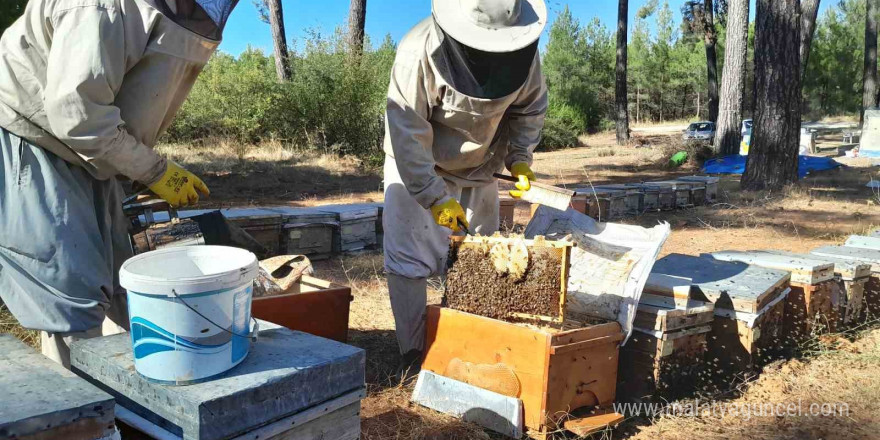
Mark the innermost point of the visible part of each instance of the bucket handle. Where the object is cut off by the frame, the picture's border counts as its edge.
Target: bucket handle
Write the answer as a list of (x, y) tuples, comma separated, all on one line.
[(253, 335)]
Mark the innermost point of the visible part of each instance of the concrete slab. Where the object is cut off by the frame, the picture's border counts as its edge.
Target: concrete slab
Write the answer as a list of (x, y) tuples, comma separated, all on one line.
[(41, 399), (286, 373), (871, 256), (732, 286)]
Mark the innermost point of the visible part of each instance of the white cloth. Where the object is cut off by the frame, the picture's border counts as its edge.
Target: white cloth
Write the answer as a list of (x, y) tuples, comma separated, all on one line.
[(63, 237), (56, 346), (415, 245), (96, 82), (436, 133)]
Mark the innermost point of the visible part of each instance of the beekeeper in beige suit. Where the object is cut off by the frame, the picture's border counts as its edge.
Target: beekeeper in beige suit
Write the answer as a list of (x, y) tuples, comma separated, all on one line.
[(86, 89), (467, 99)]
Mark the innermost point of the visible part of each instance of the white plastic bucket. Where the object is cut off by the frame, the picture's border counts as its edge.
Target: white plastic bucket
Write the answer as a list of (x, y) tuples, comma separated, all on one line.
[(189, 309)]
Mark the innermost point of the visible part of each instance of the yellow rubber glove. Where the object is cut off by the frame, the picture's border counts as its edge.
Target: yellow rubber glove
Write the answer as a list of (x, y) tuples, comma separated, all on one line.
[(179, 187), (525, 174), (449, 213)]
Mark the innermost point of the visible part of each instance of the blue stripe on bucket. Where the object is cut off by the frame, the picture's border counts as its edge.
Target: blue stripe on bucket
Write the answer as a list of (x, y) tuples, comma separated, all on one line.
[(148, 338), (185, 295)]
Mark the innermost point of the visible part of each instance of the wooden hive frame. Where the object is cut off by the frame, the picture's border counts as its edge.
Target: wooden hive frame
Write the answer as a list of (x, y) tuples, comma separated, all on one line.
[(662, 363), (871, 305), (559, 374), (564, 249)]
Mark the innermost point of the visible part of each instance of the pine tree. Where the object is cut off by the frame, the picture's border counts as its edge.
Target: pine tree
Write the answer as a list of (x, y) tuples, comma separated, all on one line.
[(733, 80)]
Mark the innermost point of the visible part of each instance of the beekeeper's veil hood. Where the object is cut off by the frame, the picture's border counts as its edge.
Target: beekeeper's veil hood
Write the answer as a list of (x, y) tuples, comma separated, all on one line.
[(204, 17), (487, 47)]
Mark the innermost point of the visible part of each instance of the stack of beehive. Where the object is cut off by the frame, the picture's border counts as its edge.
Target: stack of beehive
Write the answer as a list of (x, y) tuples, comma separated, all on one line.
[(749, 308), (666, 351)]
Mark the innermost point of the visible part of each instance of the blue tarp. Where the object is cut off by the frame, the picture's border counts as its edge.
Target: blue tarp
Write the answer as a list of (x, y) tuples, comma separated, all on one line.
[(736, 164)]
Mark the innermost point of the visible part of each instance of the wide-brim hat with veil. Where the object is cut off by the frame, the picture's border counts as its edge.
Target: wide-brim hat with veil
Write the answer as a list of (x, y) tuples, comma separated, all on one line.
[(492, 25)]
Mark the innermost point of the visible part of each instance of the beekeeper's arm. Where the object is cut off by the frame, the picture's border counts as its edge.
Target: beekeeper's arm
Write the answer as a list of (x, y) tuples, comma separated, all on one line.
[(410, 98), (84, 72), (525, 122)]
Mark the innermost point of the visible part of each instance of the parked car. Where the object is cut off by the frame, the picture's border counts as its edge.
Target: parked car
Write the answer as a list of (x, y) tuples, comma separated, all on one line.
[(700, 131), (746, 128)]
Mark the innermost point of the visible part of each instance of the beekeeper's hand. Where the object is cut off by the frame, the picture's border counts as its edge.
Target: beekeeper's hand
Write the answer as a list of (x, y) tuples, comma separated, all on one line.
[(448, 213), (524, 173), (179, 187)]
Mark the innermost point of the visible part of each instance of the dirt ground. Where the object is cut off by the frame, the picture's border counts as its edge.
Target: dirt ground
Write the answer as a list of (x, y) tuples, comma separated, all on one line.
[(821, 209)]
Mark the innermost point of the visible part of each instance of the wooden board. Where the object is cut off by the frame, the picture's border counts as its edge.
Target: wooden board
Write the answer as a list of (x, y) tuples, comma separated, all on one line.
[(844, 268), (711, 185), (667, 314), (507, 209), (803, 270), (669, 286), (851, 296), (313, 306), (870, 256), (735, 286), (604, 204), (558, 372)]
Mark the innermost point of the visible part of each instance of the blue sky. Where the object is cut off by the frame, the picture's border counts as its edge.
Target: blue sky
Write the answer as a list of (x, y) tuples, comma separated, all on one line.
[(393, 17)]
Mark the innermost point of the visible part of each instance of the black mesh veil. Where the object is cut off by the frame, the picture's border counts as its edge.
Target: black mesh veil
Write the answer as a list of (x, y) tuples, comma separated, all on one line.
[(479, 74), (204, 17)]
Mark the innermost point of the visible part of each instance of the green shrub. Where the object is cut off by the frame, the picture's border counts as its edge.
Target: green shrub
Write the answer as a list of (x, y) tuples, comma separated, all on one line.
[(333, 102), (562, 127)]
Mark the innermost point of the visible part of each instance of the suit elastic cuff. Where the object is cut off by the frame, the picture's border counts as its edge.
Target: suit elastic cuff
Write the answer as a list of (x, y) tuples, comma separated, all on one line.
[(435, 192)]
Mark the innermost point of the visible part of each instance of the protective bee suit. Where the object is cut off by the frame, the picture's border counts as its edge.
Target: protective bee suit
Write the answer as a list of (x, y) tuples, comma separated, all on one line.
[(86, 89), (462, 105)]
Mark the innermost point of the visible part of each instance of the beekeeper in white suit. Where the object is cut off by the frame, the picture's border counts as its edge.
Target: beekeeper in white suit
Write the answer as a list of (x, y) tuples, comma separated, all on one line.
[(86, 88), (467, 99)]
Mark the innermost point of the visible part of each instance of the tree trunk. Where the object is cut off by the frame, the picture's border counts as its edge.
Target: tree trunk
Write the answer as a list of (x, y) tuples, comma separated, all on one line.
[(620, 83), (773, 156), (809, 13), (357, 20), (733, 79), (276, 22), (710, 38), (869, 78)]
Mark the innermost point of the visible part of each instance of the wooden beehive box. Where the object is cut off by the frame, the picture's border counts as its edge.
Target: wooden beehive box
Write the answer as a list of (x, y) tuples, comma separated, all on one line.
[(749, 307), (851, 278), (681, 191), (185, 232), (264, 225), (604, 204), (711, 185), (665, 196), (309, 231), (662, 364), (314, 306), (561, 377), (810, 305), (634, 197), (357, 226), (508, 278), (870, 256)]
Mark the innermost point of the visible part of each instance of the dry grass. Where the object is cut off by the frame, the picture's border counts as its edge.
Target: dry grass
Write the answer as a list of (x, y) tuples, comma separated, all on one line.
[(8, 324)]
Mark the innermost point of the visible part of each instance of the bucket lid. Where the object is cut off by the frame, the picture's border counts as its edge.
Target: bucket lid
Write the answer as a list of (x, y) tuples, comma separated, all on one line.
[(188, 270)]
